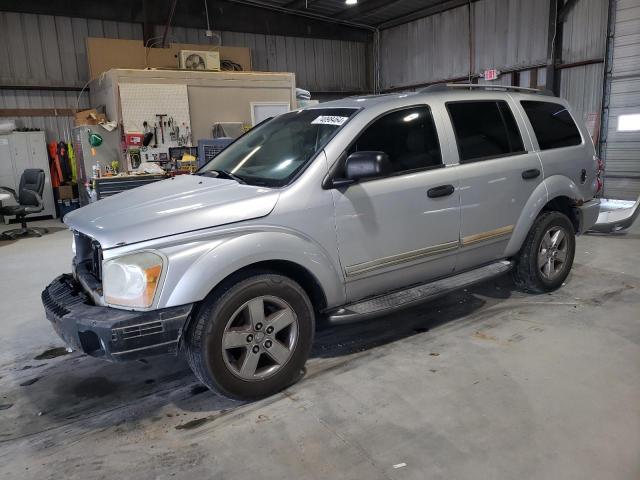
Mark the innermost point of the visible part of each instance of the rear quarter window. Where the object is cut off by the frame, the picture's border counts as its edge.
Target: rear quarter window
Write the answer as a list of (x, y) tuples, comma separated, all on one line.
[(552, 124)]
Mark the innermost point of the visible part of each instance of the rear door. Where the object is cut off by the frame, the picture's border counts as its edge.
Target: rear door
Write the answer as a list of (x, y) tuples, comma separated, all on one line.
[(498, 172), (563, 150), (400, 229)]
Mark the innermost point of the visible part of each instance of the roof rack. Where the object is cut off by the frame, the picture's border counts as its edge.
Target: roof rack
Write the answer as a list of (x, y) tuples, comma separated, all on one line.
[(438, 87)]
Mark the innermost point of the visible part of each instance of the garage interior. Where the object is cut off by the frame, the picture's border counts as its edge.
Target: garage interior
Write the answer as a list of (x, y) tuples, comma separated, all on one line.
[(484, 382)]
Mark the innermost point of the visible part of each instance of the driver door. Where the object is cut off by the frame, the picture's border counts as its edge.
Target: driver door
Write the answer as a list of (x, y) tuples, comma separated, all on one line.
[(404, 228)]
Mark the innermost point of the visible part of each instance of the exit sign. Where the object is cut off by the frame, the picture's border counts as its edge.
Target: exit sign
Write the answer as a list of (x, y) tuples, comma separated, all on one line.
[(491, 74)]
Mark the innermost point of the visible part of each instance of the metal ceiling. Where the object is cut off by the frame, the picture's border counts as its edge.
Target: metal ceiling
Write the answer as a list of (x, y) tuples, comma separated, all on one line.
[(331, 19), (369, 13)]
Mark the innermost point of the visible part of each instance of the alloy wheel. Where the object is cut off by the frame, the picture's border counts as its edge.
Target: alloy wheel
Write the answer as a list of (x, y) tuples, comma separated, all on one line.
[(260, 338), (553, 252)]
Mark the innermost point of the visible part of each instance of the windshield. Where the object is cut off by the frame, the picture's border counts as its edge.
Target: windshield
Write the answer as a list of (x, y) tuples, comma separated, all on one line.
[(274, 152)]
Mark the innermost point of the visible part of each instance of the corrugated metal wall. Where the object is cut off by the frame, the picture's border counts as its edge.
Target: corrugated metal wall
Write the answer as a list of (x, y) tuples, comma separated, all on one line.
[(582, 87), (55, 127), (508, 34), (584, 38), (584, 35), (426, 50), (45, 50), (622, 149)]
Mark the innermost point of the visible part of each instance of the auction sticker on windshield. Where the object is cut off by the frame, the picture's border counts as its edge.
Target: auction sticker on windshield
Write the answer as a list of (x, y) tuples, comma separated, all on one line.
[(329, 120)]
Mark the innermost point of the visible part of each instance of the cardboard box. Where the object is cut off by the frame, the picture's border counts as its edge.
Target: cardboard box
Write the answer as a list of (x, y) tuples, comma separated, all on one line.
[(65, 192), (104, 54), (89, 117)]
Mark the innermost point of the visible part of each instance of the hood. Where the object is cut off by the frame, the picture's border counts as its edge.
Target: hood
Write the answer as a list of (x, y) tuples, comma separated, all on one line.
[(169, 207)]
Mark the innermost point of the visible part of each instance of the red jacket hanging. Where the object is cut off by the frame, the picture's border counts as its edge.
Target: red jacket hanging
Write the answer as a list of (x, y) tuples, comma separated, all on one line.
[(54, 165)]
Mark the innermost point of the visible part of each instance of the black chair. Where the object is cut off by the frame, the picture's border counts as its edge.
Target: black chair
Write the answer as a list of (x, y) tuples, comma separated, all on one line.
[(29, 200)]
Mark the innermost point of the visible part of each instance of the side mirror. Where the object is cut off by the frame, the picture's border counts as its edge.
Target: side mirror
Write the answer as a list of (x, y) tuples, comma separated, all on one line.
[(367, 164), (361, 165)]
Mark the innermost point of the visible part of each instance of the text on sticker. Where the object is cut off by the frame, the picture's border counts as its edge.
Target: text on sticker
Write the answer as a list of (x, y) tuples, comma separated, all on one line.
[(329, 120)]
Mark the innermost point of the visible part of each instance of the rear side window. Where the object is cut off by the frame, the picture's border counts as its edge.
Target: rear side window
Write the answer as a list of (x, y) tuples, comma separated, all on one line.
[(552, 125), (484, 130), (408, 136)]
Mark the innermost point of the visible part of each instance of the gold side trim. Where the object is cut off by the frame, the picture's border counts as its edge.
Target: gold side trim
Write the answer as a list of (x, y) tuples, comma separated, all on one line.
[(481, 237), (365, 267)]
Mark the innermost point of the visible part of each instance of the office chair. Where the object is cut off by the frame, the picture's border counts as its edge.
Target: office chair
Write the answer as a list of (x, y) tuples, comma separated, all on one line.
[(29, 198)]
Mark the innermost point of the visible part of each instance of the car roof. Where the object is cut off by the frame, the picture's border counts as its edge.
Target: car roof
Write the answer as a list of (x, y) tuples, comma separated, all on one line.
[(437, 92)]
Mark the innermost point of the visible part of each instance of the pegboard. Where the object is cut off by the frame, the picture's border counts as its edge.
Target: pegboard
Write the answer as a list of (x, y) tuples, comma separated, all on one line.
[(142, 101)]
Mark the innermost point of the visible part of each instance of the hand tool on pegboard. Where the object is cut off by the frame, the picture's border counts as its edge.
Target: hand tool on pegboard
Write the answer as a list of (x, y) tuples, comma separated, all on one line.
[(160, 117)]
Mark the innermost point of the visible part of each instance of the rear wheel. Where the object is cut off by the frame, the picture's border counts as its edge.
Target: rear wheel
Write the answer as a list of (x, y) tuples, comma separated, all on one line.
[(252, 336), (546, 257)]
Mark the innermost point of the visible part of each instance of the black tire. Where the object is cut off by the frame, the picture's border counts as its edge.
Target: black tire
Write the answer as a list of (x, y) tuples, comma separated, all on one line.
[(204, 337), (527, 275)]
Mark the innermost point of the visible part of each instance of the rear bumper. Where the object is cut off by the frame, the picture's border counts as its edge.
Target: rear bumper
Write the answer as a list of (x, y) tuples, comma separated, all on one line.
[(588, 214), (110, 333)]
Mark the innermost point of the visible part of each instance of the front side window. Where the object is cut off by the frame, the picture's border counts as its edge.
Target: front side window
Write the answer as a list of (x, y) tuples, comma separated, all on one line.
[(274, 152), (407, 136), (484, 130), (552, 124)]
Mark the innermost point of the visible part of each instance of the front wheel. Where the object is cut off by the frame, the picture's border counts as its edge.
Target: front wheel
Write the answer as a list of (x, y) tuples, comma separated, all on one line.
[(546, 257), (252, 337)]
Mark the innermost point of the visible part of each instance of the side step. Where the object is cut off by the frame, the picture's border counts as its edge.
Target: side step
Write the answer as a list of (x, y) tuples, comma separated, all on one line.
[(405, 298)]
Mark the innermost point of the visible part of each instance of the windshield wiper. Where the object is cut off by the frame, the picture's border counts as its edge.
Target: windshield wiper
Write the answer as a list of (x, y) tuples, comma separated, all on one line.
[(225, 174)]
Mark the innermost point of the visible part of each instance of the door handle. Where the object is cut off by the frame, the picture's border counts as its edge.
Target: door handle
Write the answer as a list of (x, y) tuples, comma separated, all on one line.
[(441, 191), (529, 174)]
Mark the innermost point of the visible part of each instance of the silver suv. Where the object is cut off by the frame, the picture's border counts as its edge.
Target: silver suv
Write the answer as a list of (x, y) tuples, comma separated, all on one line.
[(344, 211)]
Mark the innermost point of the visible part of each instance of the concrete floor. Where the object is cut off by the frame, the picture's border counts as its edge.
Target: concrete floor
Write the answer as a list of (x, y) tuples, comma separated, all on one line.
[(485, 383)]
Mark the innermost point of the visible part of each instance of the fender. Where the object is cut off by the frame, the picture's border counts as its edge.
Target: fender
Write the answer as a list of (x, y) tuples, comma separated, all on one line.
[(549, 188), (202, 266)]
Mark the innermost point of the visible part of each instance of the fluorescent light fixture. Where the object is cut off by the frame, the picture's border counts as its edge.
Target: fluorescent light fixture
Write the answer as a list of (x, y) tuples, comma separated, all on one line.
[(351, 2), (629, 123)]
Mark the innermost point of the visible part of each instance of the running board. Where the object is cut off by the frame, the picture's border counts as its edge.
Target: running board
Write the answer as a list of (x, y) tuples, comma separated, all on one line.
[(405, 298)]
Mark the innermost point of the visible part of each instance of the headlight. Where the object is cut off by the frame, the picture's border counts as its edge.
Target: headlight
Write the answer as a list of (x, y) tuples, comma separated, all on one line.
[(132, 280), (73, 245)]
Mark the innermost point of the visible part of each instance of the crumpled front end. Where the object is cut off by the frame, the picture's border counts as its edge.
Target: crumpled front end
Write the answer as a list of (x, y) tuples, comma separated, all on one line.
[(110, 333)]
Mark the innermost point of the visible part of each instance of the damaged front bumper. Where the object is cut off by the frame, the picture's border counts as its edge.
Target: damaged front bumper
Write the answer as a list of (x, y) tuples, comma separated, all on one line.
[(110, 333)]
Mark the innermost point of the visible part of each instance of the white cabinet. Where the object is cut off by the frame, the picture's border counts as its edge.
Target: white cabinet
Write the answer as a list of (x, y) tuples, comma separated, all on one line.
[(22, 150)]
